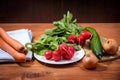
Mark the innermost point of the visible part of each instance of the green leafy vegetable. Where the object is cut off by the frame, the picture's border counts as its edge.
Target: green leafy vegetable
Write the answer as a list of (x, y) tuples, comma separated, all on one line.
[(51, 39)]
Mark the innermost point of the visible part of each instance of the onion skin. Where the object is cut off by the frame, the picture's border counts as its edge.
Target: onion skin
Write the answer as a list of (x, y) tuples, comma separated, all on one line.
[(110, 46), (90, 61)]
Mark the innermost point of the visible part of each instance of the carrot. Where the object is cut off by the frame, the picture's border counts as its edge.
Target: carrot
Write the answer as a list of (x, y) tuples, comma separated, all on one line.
[(19, 57), (12, 42)]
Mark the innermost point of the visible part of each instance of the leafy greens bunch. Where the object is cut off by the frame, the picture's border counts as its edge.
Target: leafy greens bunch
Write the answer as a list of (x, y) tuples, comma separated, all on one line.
[(53, 37)]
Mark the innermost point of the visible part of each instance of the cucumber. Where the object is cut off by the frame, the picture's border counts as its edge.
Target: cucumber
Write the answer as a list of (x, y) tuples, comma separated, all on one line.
[(95, 43)]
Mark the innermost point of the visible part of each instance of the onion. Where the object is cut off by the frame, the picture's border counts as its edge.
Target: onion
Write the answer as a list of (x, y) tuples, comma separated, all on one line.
[(90, 61)]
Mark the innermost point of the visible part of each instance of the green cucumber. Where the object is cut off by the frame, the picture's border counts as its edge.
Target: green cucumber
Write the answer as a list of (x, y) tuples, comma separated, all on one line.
[(95, 43)]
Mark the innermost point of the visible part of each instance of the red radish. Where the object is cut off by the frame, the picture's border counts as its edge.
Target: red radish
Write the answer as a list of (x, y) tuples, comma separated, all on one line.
[(72, 39), (63, 48), (48, 54), (86, 34), (71, 48), (66, 57), (56, 55), (81, 40), (70, 53)]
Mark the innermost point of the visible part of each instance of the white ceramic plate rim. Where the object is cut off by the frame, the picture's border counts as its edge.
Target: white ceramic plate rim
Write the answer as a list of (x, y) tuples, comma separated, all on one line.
[(77, 56)]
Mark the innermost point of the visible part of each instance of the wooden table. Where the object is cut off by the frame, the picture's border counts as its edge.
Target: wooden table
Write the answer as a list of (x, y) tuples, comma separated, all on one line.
[(36, 70)]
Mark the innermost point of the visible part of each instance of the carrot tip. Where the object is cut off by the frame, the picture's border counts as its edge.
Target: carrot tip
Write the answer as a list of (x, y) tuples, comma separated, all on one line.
[(22, 49), (25, 51)]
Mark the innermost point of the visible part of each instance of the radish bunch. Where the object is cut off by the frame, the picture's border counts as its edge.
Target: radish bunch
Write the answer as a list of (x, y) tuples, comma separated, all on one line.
[(80, 40), (67, 52), (64, 52)]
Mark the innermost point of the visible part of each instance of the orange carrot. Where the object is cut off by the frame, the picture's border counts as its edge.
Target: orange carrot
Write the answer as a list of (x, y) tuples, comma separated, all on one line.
[(19, 57), (12, 42)]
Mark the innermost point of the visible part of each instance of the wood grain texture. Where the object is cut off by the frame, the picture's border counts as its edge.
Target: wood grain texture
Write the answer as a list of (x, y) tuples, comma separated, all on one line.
[(36, 70)]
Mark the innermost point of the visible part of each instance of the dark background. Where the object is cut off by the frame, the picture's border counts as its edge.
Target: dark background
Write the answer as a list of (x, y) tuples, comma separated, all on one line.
[(47, 11)]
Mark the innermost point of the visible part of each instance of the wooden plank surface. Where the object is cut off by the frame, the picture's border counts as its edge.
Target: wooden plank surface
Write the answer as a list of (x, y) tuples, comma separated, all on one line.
[(36, 70)]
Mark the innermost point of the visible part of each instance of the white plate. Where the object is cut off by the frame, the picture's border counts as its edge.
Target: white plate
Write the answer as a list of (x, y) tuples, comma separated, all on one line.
[(77, 56)]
